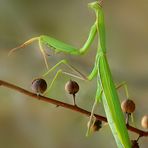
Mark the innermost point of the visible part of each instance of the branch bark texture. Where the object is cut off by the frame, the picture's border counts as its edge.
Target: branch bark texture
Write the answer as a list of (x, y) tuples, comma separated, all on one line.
[(75, 108)]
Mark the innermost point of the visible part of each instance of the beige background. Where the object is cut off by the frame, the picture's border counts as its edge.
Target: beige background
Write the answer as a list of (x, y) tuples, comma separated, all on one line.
[(29, 123)]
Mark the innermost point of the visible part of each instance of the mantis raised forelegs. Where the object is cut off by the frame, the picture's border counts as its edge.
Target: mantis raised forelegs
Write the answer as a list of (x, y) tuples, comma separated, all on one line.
[(106, 90)]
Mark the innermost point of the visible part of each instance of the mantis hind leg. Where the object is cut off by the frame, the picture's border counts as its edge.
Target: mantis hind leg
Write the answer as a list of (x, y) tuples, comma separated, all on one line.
[(129, 116), (60, 71), (123, 84), (97, 99), (52, 82), (81, 76)]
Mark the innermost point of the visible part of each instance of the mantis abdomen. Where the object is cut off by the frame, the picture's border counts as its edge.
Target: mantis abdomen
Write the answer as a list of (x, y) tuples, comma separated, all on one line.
[(111, 104)]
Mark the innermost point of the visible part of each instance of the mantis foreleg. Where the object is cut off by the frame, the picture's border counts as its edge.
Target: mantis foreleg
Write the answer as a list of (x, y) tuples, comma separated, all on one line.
[(58, 45)]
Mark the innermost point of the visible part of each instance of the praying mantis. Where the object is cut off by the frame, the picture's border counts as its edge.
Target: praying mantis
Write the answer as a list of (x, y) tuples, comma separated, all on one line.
[(106, 90)]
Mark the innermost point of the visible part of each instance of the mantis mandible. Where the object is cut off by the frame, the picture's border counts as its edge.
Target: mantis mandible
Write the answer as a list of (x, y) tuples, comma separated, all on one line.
[(106, 90)]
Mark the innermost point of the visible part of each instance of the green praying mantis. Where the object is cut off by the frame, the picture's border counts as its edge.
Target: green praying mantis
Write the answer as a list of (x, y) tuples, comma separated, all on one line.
[(106, 91)]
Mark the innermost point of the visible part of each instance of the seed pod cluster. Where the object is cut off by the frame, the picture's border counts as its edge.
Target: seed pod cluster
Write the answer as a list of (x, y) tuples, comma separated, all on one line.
[(39, 85), (72, 87), (128, 106), (144, 122)]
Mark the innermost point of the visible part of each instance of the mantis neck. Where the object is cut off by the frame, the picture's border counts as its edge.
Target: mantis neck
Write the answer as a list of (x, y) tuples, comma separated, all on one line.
[(101, 31)]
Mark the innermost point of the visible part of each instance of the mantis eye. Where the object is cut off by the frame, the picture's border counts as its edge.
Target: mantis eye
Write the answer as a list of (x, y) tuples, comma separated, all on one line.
[(39, 85)]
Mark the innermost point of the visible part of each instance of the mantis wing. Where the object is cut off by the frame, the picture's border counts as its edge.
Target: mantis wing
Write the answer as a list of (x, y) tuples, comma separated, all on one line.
[(112, 106)]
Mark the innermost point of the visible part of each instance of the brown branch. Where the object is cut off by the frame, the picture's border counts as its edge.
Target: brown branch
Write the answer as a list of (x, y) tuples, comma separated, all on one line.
[(65, 105)]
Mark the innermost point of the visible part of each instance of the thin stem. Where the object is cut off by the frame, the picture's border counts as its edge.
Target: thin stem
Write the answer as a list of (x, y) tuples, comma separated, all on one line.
[(74, 99), (127, 118), (138, 138), (66, 105)]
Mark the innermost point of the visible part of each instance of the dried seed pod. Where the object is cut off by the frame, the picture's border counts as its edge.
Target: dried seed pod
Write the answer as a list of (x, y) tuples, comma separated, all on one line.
[(144, 122), (97, 125), (128, 106), (39, 85), (134, 144), (72, 87)]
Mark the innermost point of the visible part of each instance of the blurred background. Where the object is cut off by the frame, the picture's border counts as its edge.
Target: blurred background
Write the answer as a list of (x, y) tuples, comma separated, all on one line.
[(29, 123)]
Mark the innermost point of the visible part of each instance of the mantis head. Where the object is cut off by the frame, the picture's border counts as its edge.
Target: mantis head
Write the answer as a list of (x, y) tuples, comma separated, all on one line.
[(95, 5)]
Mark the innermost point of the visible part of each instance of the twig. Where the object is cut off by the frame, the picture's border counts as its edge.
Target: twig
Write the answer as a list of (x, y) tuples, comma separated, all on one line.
[(66, 105)]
